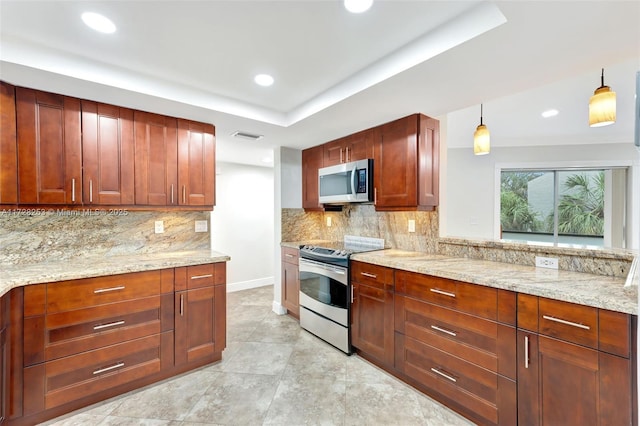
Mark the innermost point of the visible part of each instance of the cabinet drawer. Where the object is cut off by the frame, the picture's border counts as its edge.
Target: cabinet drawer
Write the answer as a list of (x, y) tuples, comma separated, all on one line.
[(84, 293), (476, 340), (199, 276), (72, 332), (290, 255), (568, 321), (471, 298), (77, 376), (372, 275), (473, 387)]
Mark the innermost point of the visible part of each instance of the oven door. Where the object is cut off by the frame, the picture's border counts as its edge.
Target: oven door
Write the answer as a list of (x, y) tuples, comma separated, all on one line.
[(324, 290)]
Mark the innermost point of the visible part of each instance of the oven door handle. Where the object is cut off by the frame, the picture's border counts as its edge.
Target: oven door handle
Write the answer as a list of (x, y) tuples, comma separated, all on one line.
[(335, 272), (353, 180)]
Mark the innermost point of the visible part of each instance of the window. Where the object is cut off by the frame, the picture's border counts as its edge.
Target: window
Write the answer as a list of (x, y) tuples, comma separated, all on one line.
[(567, 206)]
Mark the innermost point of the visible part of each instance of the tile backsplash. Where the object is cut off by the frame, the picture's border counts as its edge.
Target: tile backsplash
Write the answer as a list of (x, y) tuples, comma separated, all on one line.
[(69, 234)]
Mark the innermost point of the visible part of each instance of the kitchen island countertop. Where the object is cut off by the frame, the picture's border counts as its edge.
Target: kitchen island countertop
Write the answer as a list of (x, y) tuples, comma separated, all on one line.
[(586, 289), (18, 275)]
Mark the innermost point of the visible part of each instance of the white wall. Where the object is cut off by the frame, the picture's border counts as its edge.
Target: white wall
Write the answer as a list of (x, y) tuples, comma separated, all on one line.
[(472, 182), (242, 223)]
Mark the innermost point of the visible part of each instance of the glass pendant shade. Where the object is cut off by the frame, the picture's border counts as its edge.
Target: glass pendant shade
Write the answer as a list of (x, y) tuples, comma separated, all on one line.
[(481, 140), (602, 105)]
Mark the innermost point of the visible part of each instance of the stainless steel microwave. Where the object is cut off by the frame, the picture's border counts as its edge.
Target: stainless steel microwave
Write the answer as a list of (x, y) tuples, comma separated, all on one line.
[(346, 183)]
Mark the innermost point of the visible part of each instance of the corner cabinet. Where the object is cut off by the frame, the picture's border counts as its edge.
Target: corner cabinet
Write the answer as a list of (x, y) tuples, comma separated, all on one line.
[(8, 145), (406, 164), (575, 364), (312, 161), (291, 281), (372, 312)]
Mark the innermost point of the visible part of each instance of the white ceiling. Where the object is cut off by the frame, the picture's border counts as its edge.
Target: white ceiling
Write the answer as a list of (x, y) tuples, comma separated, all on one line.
[(336, 72)]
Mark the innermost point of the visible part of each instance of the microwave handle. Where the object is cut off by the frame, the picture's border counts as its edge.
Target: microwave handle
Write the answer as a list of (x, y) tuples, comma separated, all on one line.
[(353, 180)]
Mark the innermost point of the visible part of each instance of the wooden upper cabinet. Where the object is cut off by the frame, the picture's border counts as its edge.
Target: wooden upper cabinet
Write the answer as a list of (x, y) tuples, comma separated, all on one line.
[(156, 164), (311, 162), (358, 146), (196, 163), (8, 145), (107, 154), (406, 164), (49, 148)]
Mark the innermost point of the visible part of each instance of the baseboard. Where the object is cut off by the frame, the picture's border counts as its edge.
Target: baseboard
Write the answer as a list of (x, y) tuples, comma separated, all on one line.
[(278, 308), (246, 285)]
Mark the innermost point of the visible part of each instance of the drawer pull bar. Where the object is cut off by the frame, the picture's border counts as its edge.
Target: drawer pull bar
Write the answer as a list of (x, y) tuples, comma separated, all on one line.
[(199, 277), (565, 322), (288, 255), (113, 367), (366, 274), (108, 325), (526, 351), (106, 290), (445, 375), (182, 305), (444, 293), (444, 330)]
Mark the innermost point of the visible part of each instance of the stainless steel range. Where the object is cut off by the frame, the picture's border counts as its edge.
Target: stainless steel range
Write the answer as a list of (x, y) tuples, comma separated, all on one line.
[(325, 290)]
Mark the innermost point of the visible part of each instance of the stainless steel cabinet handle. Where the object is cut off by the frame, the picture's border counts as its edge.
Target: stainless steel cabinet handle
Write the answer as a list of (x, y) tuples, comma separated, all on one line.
[(444, 330), (526, 351), (565, 322), (289, 255), (341, 155), (375, 196), (182, 305), (171, 193), (351, 294), (184, 194), (108, 325), (113, 367), (444, 293), (90, 191), (347, 154), (106, 290), (73, 190), (199, 277), (366, 274), (443, 374)]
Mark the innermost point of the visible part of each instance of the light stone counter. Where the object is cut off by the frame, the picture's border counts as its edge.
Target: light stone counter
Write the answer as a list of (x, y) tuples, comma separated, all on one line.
[(586, 289), (12, 276)]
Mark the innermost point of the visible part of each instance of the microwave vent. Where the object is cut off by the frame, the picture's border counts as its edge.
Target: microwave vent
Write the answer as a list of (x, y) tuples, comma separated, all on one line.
[(247, 135)]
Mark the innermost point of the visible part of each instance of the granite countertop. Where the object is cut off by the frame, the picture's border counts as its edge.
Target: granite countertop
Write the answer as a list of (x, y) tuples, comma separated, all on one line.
[(576, 287), (12, 276)]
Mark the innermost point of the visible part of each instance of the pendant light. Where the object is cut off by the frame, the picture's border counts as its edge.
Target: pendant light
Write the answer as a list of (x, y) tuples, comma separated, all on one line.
[(602, 105), (481, 138)]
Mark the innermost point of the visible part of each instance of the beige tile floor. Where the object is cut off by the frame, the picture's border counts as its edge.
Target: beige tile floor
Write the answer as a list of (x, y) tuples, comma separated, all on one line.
[(272, 373)]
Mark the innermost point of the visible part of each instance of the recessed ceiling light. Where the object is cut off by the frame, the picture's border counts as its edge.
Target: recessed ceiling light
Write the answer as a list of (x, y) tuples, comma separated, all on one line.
[(98, 22), (357, 6), (263, 80), (550, 113)]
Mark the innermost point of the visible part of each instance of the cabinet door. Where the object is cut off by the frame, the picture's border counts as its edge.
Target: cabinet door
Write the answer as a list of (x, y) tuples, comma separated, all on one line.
[(334, 152), (360, 145), (4, 361), (395, 165), (49, 148), (200, 323), (372, 327), (428, 162), (107, 154), (196, 163), (291, 288), (311, 162), (8, 145), (156, 159)]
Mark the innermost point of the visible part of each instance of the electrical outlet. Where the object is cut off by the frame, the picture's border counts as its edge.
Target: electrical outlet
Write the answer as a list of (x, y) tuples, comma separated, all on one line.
[(546, 262), (412, 225), (328, 220), (201, 226), (159, 227)]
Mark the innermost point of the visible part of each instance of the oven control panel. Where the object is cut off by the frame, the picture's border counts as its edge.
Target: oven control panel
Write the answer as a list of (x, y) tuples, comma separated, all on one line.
[(324, 251)]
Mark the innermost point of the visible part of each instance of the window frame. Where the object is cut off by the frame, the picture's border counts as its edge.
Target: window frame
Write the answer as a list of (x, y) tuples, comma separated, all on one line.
[(632, 202)]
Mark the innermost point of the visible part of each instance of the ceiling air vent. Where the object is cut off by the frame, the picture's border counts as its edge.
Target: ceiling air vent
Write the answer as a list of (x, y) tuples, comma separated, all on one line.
[(246, 135)]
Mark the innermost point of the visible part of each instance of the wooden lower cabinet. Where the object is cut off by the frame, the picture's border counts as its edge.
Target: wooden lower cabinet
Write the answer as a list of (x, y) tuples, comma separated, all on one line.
[(372, 312), (78, 350), (291, 281)]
